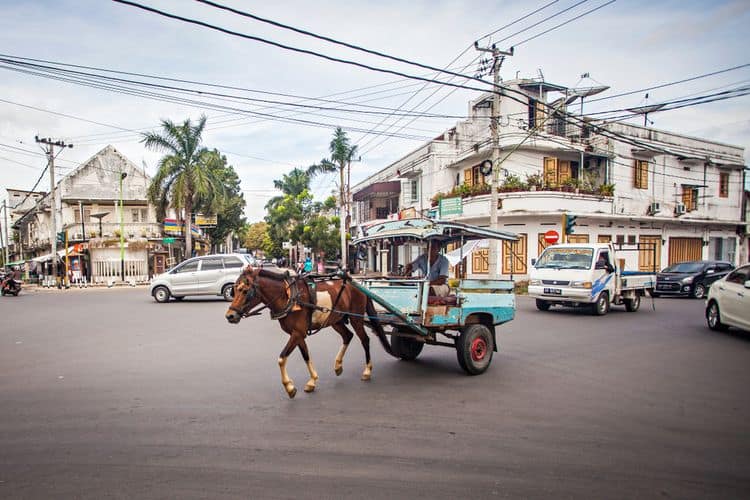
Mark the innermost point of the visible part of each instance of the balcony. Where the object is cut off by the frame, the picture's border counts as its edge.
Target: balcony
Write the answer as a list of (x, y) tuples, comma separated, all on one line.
[(377, 201), (111, 229)]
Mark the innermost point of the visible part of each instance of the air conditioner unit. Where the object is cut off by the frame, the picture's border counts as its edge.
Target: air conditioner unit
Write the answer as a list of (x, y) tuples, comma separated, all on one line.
[(654, 207), (77, 236), (680, 209)]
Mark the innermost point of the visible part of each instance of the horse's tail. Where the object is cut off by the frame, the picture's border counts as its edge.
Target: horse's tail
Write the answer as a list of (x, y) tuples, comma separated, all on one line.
[(377, 327)]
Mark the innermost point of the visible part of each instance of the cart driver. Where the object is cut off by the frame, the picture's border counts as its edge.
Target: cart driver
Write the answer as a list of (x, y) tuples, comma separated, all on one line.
[(438, 271)]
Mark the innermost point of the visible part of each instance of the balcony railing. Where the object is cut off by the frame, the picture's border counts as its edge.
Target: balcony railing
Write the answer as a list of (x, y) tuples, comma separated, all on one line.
[(111, 229)]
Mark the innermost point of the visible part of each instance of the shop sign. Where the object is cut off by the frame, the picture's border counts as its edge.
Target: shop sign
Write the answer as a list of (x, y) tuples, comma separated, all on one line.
[(451, 206), (167, 241), (205, 220)]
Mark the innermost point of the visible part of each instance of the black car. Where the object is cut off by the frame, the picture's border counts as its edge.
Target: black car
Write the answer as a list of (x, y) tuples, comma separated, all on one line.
[(690, 278)]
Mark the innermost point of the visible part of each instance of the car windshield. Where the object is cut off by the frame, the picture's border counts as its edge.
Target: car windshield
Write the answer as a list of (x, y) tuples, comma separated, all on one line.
[(684, 267), (566, 258)]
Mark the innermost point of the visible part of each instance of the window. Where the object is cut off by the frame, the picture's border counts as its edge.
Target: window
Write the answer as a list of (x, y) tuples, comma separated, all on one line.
[(187, 267), (77, 215), (739, 276), (640, 179), (514, 256), (690, 198), (631, 239), (620, 239), (232, 262), (480, 261), (414, 188), (723, 184), (604, 238), (473, 177), (557, 172), (537, 113), (381, 213), (578, 238), (211, 264), (138, 214)]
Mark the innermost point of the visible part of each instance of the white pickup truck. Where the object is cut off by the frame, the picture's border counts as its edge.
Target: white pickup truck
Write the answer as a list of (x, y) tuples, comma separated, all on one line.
[(586, 275)]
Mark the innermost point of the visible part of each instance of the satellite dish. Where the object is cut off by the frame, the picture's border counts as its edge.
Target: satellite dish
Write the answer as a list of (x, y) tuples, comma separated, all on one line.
[(589, 91), (642, 110)]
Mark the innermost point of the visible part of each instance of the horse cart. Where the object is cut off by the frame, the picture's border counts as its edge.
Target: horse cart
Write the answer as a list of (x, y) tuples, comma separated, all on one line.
[(466, 318)]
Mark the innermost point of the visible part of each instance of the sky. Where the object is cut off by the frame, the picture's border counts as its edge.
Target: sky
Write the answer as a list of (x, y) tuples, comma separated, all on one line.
[(625, 44)]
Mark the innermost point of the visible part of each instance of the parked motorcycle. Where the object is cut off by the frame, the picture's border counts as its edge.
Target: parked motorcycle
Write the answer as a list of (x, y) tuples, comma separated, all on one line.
[(9, 286)]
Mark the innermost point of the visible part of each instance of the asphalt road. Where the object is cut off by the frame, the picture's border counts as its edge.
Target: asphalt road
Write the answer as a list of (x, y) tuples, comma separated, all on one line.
[(106, 394)]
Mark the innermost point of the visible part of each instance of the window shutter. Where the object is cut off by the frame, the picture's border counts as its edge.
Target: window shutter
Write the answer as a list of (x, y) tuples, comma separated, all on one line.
[(563, 171), (550, 171), (468, 178), (644, 175)]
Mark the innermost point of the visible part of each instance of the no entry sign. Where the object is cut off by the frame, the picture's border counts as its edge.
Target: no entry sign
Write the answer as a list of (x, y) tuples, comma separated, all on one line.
[(551, 236)]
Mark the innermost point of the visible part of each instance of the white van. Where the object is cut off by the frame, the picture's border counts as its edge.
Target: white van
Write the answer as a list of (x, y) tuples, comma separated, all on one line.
[(586, 275)]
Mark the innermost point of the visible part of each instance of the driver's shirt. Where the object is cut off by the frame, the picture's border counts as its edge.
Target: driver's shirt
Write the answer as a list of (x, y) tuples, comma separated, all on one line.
[(439, 268)]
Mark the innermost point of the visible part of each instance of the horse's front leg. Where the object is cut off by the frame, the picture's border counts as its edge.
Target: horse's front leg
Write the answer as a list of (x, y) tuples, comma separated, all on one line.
[(286, 381), (310, 385)]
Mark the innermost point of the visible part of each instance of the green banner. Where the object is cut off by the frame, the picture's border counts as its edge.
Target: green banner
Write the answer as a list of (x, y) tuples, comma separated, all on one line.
[(451, 206), (167, 241)]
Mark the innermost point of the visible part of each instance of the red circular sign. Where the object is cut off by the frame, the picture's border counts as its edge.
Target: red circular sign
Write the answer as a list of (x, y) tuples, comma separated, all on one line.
[(551, 236)]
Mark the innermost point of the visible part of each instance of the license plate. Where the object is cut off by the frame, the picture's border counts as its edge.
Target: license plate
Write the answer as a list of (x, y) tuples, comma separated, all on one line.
[(553, 291)]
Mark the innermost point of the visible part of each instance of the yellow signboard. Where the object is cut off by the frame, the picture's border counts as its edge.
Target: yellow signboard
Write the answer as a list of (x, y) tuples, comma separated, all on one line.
[(205, 220)]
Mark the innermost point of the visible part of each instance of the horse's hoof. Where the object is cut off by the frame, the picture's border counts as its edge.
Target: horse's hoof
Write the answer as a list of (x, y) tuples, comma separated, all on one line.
[(309, 388), (338, 371), (292, 393)]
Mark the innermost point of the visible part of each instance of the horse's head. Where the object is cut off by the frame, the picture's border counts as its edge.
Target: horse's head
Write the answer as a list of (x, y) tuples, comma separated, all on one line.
[(246, 295)]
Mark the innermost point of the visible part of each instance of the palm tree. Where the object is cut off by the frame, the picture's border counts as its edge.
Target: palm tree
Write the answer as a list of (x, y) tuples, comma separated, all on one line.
[(186, 176), (293, 183), (342, 153)]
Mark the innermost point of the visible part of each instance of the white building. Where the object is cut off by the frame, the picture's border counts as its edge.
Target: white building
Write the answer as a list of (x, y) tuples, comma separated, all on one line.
[(625, 183), (87, 208)]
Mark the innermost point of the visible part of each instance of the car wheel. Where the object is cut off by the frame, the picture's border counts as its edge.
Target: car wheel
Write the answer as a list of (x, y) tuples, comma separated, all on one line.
[(632, 305), (713, 317), (161, 294), (228, 293), (474, 349), (542, 305), (601, 306), (699, 291)]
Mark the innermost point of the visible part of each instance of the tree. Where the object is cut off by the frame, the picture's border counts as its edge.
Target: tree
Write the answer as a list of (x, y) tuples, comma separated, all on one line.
[(257, 238), (229, 215), (186, 175), (342, 153), (321, 234)]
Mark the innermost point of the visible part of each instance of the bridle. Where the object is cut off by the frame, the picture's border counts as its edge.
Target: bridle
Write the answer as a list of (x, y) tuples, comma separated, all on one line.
[(252, 292), (255, 290)]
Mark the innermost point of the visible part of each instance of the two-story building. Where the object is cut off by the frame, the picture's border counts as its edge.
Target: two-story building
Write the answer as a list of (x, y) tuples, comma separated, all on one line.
[(681, 197), (88, 209)]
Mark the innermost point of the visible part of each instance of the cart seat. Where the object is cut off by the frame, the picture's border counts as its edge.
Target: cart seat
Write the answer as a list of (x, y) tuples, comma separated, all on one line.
[(450, 300)]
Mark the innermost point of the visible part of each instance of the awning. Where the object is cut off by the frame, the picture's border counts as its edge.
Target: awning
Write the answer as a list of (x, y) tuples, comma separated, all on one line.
[(16, 263), (60, 253)]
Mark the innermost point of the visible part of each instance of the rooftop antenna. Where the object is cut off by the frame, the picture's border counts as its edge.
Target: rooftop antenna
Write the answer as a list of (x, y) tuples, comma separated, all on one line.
[(645, 110)]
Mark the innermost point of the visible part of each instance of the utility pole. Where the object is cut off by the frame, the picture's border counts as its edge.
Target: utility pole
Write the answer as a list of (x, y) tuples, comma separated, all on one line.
[(50, 152), (7, 236), (498, 56)]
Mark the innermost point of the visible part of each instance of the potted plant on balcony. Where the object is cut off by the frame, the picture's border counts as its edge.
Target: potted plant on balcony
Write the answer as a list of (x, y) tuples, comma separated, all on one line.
[(512, 183), (607, 189), (535, 182), (569, 185)]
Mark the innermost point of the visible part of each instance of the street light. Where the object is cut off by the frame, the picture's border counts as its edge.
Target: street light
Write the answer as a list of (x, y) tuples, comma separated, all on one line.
[(122, 231)]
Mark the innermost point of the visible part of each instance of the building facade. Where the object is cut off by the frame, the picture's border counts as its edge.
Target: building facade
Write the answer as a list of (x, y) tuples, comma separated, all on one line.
[(88, 210), (681, 197)]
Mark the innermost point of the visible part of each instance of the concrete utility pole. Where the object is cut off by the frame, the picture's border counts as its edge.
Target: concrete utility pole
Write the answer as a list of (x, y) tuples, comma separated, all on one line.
[(498, 56), (50, 152), (7, 235)]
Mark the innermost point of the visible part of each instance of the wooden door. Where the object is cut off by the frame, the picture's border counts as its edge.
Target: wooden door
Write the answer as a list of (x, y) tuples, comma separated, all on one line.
[(542, 244), (564, 172), (159, 261), (578, 238), (684, 249), (515, 255), (550, 172), (480, 261), (649, 256)]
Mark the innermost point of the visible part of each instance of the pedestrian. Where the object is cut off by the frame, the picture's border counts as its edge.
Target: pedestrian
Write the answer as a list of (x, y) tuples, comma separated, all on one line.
[(321, 266), (308, 267)]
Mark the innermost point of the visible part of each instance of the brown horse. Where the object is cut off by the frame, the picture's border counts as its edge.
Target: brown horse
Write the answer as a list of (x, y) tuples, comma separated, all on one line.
[(291, 301)]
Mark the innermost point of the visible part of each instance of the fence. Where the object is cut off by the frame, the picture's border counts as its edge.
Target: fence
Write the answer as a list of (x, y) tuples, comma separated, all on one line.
[(105, 271)]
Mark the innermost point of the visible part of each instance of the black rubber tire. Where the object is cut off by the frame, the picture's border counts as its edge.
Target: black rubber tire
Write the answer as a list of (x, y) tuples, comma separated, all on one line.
[(406, 348), (632, 305), (601, 306), (474, 348), (543, 305), (161, 294), (228, 293), (699, 291), (713, 318)]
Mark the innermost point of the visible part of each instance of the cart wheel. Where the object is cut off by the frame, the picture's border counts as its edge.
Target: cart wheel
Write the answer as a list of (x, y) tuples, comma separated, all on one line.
[(474, 349), (406, 348)]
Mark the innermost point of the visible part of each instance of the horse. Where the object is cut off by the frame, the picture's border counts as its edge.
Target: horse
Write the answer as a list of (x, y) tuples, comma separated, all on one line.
[(301, 310)]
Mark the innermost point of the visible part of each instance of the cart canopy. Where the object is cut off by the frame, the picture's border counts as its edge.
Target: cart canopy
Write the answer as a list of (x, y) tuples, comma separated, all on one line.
[(428, 229)]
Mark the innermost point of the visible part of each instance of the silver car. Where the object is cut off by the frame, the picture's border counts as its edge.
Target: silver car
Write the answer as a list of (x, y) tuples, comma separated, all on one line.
[(206, 275)]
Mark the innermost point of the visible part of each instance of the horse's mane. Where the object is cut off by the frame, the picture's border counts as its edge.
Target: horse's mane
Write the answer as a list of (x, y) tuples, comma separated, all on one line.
[(274, 275)]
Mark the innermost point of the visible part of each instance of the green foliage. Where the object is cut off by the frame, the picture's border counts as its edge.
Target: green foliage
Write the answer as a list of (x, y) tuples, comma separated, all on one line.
[(513, 182), (535, 181), (607, 189), (257, 238), (321, 234), (231, 206)]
